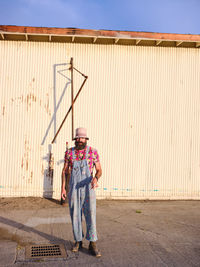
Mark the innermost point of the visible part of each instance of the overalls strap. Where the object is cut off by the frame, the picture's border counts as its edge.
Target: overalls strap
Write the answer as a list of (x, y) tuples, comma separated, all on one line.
[(87, 151), (73, 153)]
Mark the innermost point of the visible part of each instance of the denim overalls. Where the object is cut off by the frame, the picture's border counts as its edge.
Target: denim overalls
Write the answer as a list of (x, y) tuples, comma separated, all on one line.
[(82, 198)]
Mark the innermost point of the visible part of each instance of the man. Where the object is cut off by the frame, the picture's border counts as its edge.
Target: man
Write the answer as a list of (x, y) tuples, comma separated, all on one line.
[(80, 162)]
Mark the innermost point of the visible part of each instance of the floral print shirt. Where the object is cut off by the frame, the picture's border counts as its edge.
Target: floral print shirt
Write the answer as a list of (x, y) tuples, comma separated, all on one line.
[(93, 157)]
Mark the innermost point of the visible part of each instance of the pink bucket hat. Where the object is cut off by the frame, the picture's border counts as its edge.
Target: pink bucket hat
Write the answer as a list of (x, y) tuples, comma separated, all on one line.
[(81, 133)]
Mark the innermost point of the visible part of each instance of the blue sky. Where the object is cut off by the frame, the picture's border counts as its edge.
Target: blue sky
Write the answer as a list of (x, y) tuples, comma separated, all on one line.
[(168, 16)]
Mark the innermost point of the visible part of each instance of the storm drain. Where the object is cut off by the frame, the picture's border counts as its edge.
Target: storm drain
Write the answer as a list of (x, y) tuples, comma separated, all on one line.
[(45, 251)]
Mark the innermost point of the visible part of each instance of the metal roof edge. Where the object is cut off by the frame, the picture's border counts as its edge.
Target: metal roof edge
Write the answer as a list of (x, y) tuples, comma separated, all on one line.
[(6, 29)]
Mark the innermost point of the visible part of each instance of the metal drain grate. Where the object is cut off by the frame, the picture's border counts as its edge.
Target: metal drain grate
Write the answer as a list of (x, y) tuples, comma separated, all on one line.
[(45, 251)]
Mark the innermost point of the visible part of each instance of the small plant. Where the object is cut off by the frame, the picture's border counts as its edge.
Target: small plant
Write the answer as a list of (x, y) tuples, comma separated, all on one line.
[(138, 211)]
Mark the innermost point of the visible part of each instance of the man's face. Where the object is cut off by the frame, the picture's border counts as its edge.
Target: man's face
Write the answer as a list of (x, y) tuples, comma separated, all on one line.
[(80, 143)]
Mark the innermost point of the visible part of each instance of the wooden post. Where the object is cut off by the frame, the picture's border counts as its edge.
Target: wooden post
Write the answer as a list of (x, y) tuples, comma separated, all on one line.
[(72, 96)]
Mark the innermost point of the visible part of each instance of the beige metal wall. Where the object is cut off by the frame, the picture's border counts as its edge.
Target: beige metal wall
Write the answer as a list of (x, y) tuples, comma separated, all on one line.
[(141, 106)]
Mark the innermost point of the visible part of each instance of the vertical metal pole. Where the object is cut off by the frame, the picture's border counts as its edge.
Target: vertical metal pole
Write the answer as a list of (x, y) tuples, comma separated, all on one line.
[(72, 96)]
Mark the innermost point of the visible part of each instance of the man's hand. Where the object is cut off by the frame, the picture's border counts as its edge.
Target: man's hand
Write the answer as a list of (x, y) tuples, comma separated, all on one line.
[(63, 194), (94, 182), (98, 175)]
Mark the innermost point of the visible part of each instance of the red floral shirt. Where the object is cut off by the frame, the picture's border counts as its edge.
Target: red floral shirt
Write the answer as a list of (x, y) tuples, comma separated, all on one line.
[(93, 157)]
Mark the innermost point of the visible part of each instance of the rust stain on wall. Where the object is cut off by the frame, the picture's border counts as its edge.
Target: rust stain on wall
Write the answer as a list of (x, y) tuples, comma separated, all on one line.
[(25, 162), (27, 98), (25, 157), (46, 106), (30, 178), (33, 98), (27, 102), (31, 82), (30, 98)]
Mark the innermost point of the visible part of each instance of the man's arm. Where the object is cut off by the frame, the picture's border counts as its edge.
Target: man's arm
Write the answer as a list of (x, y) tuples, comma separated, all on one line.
[(97, 175), (98, 170), (63, 190)]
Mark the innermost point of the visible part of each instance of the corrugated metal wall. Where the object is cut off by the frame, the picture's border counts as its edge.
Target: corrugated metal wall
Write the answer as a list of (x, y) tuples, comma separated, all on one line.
[(141, 106)]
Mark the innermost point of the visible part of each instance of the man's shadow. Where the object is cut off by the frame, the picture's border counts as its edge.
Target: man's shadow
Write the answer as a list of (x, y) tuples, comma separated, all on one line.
[(50, 238), (49, 171)]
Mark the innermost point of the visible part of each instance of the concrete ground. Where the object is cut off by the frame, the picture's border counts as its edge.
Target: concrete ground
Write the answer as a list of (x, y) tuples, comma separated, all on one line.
[(131, 233)]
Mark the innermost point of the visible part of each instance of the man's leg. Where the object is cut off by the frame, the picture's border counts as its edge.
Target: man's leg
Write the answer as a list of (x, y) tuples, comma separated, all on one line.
[(89, 210), (76, 216), (90, 217)]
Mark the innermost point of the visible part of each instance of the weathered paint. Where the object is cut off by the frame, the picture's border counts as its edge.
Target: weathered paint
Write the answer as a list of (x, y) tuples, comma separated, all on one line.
[(139, 104)]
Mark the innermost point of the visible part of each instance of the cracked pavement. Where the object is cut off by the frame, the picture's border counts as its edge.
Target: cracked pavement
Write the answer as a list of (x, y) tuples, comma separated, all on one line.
[(131, 233)]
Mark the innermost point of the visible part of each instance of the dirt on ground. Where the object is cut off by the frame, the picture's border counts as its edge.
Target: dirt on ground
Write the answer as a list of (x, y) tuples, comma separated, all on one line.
[(24, 203)]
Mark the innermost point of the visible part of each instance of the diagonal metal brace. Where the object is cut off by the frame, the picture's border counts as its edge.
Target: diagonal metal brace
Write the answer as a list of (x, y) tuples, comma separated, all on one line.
[(69, 109), (79, 72)]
